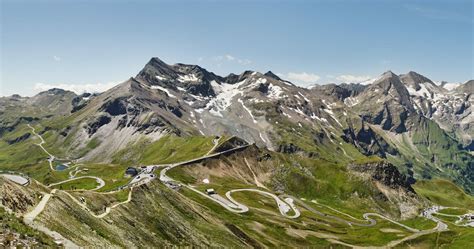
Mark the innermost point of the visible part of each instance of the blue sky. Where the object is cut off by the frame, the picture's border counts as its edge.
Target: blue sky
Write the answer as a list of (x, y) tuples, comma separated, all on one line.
[(95, 44)]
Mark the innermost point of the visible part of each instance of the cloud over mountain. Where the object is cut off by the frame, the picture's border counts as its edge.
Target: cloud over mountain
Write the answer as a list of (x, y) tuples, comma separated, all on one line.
[(77, 88)]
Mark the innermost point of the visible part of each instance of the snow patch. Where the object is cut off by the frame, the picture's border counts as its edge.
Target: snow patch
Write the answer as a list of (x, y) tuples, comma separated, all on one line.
[(163, 90), (248, 110), (331, 113), (225, 93), (159, 77), (451, 86), (274, 92), (187, 78), (351, 101), (307, 100), (189, 102)]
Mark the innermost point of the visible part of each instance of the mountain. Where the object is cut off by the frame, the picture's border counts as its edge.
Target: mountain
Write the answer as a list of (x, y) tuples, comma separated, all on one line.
[(365, 148), (45, 104)]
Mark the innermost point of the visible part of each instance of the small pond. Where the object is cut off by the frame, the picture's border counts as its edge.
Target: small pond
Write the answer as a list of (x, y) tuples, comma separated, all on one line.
[(61, 167)]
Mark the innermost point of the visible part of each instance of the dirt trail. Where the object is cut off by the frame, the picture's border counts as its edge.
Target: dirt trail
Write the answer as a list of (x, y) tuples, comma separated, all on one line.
[(29, 218)]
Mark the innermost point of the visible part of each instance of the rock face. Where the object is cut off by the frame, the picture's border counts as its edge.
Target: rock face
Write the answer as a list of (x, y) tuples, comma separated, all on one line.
[(341, 91), (288, 148), (99, 121), (386, 103), (19, 139), (14, 198), (368, 141), (385, 173), (231, 143), (193, 78), (393, 186)]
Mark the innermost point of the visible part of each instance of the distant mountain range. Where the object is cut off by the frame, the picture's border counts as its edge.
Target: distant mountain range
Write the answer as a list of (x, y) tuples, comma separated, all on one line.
[(153, 161), (424, 129)]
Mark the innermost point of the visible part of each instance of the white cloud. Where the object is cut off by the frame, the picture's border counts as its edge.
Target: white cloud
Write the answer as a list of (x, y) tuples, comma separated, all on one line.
[(77, 88), (303, 79), (347, 78), (56, 58), (244, 61), (231, 58)]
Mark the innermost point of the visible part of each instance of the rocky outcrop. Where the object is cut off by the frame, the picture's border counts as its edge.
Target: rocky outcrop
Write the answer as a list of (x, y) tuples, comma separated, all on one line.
[(368, 141), (385, 173), (100, 120), (81, 101), (15, 198), (387, 103), (393, 186), (289, 148), (115, 107), (231, 143), (195, 79), (19, 139)]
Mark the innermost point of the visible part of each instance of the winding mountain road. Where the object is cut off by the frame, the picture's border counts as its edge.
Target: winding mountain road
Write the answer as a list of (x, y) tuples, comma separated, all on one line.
[(107, 209), (29, 218), (98, 180), (51, 157), (72, 176), (229, 203), (285, 203), (283, 206)]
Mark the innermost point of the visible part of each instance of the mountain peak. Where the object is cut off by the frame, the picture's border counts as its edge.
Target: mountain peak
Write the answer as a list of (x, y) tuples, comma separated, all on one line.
[(467, 87), (414, 78), (155, 67), (388, 74), (272, 75), (54, 91), (156, 60)]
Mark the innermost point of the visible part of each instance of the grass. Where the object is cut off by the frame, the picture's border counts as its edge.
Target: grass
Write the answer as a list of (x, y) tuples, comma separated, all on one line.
[(168, 149), (265, 207), (275, 225), (444, 193), (449, 219), (98, 201), (79, 184), (454, 211), (419, 223), (432, 240), (112, 174), (444, 152), (325, 179), (464, 238)]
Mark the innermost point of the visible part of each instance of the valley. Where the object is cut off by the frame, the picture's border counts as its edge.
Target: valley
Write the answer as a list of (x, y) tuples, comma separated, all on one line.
[(179, 156)]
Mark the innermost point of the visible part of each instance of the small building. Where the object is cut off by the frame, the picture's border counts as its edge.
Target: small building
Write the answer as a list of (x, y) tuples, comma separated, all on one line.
[(131, 171), (210, 191)]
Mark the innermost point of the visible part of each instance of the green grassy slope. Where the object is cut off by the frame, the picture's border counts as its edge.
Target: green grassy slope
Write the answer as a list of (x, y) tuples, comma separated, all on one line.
[(444, 193)]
